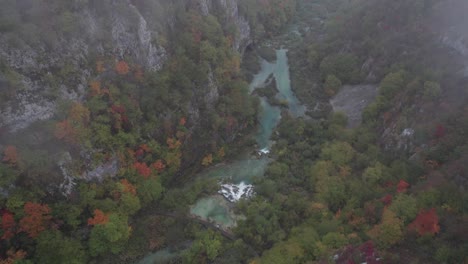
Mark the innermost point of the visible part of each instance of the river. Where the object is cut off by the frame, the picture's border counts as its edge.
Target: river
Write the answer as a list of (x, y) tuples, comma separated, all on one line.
[(237, 176)]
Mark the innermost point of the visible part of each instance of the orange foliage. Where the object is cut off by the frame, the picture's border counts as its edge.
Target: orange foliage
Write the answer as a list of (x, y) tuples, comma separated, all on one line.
[(128, 187), (173, 143), (138, 73), (13, 256), (99, 218), (145, 148), (122, 68), (35, 219), (158, 165), (8, 225), (10, 155), (142, 169), (95, 88), (427, 222), (63, 130), (100, 66)]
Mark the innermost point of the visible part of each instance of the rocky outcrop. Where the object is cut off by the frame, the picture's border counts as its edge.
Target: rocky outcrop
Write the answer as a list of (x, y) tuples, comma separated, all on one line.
[(38, 64), (231, 9), (243, 38)]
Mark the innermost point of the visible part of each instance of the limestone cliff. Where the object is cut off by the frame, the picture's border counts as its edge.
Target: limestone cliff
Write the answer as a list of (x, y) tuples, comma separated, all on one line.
[(42, 65)]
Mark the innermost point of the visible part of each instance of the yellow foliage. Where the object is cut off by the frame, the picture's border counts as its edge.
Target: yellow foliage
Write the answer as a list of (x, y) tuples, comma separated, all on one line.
[(207, 160)]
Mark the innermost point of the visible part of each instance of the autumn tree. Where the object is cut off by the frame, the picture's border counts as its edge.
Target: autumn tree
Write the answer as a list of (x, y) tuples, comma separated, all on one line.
[(13, 256), (100, 68), (207, 160), (8, 225), (128, 187), (74, 129), (159, 165), (95, 87), (142, 169), (36, 219), (10, 155), (402, 186), (122, 67), (99, 218), (426, 222)]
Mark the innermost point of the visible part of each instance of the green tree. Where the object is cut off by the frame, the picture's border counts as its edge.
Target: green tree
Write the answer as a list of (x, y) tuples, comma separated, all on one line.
[(334, 240), (405, 207), (343, 65), (110, 236), (389, 231), (332, 85), (207, 246), (393, 83), (432, 90), (54, 248), (149, 190), (340, 153), (375, 174)]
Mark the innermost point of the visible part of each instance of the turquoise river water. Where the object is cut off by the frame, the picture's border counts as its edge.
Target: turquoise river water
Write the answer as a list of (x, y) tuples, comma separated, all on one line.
[(241, 172)]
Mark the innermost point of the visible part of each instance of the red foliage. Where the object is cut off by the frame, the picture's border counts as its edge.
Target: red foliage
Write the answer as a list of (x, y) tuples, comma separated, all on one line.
[(10, 155), (142, 169), (387, 199), (8, 225), (99, 218), (182, 121), (439, 131), (122, 68), (427, 222), (402, 186), (368, 250), (36, 218), (139, 153), (128, 187), (158, 165), (117, 109), (363, 253)]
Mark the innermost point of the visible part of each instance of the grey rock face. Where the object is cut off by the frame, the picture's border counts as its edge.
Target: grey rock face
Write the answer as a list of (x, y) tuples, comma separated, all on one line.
[(129, 36)]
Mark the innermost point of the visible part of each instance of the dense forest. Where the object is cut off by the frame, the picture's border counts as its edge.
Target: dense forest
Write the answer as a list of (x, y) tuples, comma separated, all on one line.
[(110, 175)]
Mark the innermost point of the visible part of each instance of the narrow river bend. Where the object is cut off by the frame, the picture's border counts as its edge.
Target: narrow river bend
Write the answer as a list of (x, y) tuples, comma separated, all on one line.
[(236, 177)]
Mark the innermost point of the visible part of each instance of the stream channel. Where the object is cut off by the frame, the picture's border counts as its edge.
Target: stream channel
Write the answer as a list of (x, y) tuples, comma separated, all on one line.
[(237, 176)]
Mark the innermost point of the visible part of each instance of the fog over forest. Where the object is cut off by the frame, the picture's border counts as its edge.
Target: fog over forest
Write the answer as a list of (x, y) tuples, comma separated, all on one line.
[(233, 131)]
